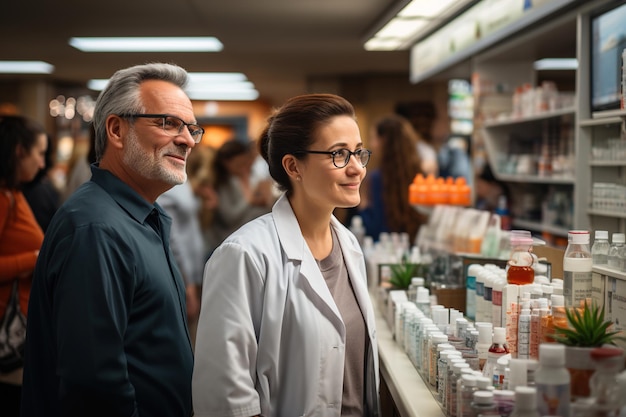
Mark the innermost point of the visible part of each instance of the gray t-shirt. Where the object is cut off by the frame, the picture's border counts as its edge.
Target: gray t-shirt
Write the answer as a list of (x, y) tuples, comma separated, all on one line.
[(335, 273)]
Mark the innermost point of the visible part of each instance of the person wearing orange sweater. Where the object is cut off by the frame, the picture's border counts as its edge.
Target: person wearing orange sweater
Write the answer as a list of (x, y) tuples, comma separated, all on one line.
[(23, 145)]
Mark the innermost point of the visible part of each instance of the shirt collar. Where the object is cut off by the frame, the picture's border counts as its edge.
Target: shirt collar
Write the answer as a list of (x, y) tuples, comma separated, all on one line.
[(124, 195)]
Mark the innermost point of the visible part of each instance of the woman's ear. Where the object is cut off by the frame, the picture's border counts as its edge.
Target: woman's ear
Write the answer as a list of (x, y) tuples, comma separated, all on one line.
[(290, 165)]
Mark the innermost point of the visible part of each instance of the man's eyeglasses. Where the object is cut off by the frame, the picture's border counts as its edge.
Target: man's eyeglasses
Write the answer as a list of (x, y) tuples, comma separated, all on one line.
[(172, 125), (341, 157)]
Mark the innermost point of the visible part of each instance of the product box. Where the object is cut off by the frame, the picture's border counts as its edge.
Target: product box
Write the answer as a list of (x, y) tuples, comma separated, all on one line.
[(598, 286), (615, 304)]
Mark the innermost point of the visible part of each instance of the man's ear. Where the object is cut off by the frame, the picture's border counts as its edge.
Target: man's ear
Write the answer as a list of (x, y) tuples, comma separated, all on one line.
[(116, 128)]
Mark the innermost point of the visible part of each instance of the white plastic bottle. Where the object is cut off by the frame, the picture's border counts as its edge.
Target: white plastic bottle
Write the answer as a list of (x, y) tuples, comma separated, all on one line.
[(357, 228), (525, 402), (552, 381), (617, 242), (411, 293), (577, 264), (422, 300), (485, 339), (600, 248), (470, 290)]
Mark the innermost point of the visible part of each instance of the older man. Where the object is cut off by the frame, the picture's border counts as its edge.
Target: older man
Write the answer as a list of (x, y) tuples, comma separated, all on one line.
[(107, 331)]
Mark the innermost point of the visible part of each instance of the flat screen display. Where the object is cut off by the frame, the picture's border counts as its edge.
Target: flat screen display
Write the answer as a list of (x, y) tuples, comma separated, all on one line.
[(608, 41)]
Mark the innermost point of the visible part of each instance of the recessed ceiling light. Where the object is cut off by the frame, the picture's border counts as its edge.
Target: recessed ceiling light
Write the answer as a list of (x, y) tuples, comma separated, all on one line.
[(232, 86), (148, 44), (25, 67)]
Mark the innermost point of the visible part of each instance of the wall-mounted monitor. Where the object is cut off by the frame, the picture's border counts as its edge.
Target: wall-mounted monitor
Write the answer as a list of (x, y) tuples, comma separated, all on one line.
[(608, 41)]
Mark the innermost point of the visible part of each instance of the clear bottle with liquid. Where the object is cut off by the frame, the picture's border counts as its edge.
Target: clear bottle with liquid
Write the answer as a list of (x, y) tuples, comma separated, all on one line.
[(600, 248), (520, 266), (577, 264), (617, 243)]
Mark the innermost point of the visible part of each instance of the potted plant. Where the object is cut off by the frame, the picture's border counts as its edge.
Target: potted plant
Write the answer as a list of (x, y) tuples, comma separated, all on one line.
[(587, 329), (401, 275)]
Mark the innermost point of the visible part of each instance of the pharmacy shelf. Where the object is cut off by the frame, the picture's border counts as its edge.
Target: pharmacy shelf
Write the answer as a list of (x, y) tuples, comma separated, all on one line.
[(411, 395), (514, 121), (600, 121), (536, 179)]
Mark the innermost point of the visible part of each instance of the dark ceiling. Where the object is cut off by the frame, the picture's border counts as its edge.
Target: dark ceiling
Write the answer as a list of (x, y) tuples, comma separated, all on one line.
[(278, 44)]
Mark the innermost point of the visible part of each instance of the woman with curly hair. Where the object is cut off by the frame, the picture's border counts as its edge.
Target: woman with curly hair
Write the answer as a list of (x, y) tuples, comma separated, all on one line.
[(385, 198)]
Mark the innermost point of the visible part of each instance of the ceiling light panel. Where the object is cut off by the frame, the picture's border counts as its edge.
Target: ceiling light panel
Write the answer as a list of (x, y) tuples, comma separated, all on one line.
[(426, 8), (148, 44), (25, 67)]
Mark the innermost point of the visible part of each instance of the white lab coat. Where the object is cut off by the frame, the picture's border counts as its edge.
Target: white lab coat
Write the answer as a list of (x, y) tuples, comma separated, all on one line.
[(270, 338)]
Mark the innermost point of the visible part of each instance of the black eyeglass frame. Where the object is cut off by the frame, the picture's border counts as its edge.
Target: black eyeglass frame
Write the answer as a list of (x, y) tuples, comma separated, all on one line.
[(334, 153), (196, 138)]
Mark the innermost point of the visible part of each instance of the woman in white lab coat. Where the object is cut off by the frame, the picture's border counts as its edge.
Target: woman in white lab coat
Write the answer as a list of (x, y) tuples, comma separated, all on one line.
[(286, 325)]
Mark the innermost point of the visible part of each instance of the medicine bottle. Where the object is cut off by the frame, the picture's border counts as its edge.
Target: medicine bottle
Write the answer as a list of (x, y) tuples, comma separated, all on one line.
[(497, 350), (552, 381), (411, 293), (617, 243), (483, 404), (466, 386), (525, 402), (577, 264), (520, 266), (505, 401), (604, 385), (600, 248)]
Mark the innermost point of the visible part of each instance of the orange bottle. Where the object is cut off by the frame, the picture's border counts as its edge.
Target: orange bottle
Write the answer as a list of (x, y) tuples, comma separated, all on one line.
[(429, 183)]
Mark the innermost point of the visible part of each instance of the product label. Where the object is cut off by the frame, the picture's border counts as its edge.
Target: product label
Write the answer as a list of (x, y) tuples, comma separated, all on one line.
[(470, 282), (576, 287), (553, 400)]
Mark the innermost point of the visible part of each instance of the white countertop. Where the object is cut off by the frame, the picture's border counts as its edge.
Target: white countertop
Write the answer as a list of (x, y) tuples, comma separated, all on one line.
[(412, 396)]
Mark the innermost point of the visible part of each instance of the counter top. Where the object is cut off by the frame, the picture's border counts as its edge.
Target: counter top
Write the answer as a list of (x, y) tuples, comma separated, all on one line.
[(412, 397)]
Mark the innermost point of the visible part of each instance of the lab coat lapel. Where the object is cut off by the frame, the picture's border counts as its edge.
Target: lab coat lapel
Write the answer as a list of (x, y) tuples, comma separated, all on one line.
[(296, 249)]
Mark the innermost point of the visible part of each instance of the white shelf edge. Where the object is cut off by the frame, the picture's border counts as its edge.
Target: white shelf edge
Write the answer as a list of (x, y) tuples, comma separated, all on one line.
[(536, 179), (607, 163), (528, 119), (532, 225), (607, 270), (600, 121), (608, 113), (605, 213)]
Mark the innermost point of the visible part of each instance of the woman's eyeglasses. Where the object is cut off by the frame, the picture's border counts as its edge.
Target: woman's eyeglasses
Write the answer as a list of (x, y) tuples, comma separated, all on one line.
[(341, 157)]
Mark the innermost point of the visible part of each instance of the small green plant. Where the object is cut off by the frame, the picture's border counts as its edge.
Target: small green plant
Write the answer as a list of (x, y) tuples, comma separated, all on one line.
[(587, 328), (401, 275)]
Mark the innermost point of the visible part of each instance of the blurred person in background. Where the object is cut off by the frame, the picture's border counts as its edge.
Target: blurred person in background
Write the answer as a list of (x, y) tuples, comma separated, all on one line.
[(186, 241), (202, 180), (107, 327), (78, 167), (42, 195), (241, 195), (385, 203), (23, 145), (286, 325)]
